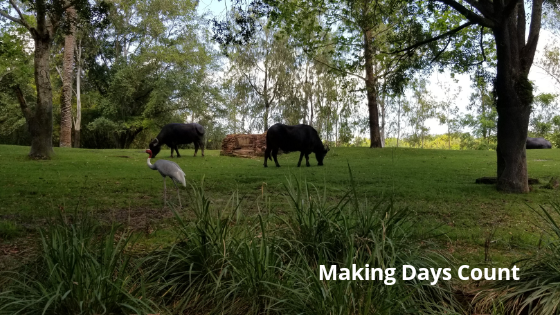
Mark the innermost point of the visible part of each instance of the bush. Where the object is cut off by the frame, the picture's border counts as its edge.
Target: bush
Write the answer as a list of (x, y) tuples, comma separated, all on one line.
[(538, 289), (82, 270), (221, 263)]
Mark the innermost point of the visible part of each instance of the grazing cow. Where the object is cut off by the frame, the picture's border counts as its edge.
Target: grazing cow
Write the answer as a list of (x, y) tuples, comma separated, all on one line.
[(301, 138), (537, 143), (175, 134)]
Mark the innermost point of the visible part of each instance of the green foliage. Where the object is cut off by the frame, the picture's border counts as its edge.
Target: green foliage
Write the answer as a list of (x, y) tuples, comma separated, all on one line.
[(537, 290), (9, 230), (16, 68), (220, 263), (543, 123), (468, 142), (81, 270)]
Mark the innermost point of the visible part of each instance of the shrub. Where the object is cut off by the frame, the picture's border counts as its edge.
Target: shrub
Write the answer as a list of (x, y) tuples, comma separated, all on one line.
[(82, 270), (538, 289)]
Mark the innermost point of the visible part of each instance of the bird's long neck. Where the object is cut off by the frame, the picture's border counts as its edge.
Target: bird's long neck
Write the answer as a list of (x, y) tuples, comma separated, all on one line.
[(150, 165)]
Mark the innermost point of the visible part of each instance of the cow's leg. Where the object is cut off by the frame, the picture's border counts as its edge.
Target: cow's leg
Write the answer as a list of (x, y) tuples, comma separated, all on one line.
[(177, 150), (274, 155), (195, 148), (171, 151), (300, 157), (266, 156), (307, 159), (201, 148)]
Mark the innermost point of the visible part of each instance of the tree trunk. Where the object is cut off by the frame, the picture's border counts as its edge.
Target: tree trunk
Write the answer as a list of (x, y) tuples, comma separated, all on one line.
[(40, 122), (399, 122), (514, 93), (382, 104), (371, 91), (78, 120), (66, 96), (483, 107)]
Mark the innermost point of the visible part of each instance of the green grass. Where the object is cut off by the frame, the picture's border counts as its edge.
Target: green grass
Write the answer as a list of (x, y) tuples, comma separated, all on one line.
[(436, 185)]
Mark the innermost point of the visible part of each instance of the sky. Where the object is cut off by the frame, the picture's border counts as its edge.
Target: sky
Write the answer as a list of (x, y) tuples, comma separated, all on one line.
[(543, 82)]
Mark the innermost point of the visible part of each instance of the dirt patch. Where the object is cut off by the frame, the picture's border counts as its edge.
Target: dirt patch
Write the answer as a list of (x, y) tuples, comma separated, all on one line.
[(135, 219), (21, 250), (18, 251)]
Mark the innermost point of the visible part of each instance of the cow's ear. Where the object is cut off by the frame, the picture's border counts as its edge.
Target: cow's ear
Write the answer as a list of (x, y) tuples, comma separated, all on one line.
[(155, 141)]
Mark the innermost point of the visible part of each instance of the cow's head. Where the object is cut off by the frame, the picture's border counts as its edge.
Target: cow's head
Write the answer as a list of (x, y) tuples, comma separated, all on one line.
[(321, 155), (155, 146)]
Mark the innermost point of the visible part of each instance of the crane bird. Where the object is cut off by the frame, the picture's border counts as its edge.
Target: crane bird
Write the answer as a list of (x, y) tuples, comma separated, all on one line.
[(171, 169)]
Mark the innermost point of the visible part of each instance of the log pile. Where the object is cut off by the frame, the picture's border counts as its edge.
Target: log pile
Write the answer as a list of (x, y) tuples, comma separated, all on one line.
[(243, 145)]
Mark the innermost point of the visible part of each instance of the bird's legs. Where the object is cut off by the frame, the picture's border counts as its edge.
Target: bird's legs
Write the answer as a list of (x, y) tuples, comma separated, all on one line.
[(178, 195)]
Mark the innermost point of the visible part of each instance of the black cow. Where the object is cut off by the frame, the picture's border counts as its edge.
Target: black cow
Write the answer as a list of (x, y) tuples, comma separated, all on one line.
[(175, 134), (301, 138), (537, 143)]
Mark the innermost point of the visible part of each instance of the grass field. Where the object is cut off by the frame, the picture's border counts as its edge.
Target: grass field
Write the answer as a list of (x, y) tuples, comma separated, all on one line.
[(436, 185)]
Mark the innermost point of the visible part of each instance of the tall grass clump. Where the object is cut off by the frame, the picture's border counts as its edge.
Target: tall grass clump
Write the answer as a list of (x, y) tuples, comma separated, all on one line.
[(221, 264), (9, 230), (189, 274), (538, 289), (82, 269), (348, 232)]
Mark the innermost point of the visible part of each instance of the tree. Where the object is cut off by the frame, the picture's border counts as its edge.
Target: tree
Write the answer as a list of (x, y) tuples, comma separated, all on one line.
[(357, 32), (550, 62), (265, 65), (542, 114), (515, 52), (16, 71), (148, 67), (419, 110), (48, 17), (446, 113)]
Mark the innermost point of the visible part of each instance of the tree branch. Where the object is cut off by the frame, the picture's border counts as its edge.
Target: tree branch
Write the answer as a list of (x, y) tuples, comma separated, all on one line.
[(21, 16), (433, 39), (338, 69), (470, 15), (441, 51), (521, 21), (549, 72), (482, 7), (13, 19), (534, 30), (22, 102), (481, 43)]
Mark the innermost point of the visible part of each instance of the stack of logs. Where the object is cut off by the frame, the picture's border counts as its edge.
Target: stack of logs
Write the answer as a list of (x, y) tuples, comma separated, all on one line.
[(244, 145)]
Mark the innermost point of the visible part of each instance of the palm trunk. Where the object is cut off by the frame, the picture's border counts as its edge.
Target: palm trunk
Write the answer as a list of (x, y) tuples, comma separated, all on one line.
[(78, 120), (66, 96)]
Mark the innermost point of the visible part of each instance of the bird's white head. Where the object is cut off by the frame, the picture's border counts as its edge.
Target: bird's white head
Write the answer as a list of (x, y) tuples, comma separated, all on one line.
[(149, 152)]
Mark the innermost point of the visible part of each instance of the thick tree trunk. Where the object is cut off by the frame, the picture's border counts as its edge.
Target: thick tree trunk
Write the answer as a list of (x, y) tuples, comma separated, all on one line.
[(40, 122), (66, 96), (371, 91), (514, 107)]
